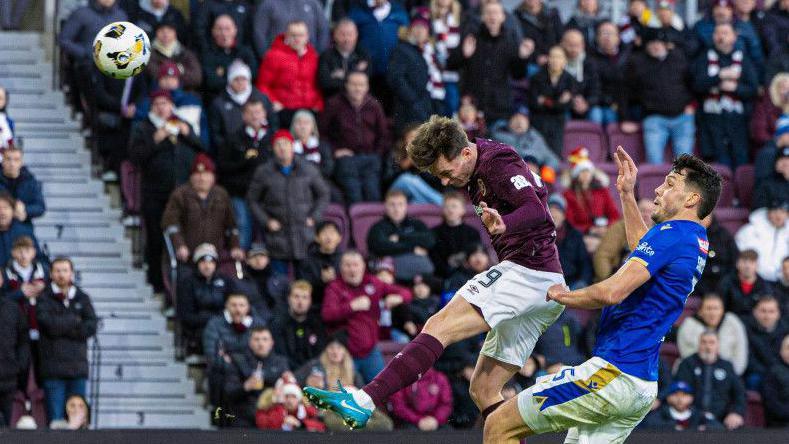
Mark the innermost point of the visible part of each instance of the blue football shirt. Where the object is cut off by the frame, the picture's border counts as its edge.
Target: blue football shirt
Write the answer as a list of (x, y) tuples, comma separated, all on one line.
[(630, 333)]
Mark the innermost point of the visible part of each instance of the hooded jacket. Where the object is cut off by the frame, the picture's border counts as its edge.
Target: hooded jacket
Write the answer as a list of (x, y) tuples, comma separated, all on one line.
[(290, 79)]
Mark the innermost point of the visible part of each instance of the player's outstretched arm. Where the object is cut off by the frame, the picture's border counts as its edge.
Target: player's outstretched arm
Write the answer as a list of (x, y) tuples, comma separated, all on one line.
[(610, 291), (635, 227)]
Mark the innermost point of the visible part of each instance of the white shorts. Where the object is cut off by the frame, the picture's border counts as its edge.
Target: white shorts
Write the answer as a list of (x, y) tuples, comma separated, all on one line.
[(512, 301), (594, 401)]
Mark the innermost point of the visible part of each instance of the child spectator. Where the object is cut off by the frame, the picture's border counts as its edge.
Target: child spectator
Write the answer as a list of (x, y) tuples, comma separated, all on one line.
[(679, 413), (741, 289), (426, 404), (526, 140), (452, 236), (589, 201), (323, 259), (289, 412), (471, 119)]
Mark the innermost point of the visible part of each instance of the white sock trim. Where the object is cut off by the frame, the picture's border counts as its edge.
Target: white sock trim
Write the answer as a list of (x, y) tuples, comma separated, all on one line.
[(363, 399)]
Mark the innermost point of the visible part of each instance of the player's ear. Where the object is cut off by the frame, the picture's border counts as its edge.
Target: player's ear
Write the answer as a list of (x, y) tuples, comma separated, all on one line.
[(692, 199)]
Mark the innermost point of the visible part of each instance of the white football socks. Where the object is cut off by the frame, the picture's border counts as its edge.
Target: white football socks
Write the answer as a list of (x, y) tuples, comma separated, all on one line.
[(363, 399)]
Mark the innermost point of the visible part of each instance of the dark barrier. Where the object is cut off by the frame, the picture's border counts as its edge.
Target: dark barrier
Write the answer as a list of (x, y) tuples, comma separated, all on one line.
[(453, 437)]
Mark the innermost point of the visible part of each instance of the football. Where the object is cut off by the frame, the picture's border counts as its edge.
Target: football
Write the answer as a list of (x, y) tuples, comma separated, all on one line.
[(121, 50)]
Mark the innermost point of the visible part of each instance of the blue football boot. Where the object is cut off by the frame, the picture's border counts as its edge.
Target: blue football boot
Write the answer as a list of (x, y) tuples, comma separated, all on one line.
[(341, 403)]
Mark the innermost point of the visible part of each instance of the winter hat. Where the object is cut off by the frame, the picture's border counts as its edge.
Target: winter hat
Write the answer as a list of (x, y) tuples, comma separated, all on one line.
[(557, 200), (169, 68), (205, 251), (282, 134), (421, 16), (579, 161), (203, 163), (522, 109), (161, 93), (385, 264), (238, 68), (665, 4), (256, 249), (679, 386), (291, 389)]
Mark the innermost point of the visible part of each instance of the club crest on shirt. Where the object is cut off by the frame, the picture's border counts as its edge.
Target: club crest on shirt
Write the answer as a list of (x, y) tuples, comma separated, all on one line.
[(704, 246), (369, 289), (481, 185)]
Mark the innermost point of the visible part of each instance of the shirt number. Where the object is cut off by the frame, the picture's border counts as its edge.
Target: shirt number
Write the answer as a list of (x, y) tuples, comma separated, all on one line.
[(520, 182), (493, 275)]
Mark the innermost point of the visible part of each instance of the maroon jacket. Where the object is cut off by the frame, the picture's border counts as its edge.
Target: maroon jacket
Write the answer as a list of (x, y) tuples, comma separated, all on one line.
[(363, 130), (429, 396), (362, 326), (765, 115)]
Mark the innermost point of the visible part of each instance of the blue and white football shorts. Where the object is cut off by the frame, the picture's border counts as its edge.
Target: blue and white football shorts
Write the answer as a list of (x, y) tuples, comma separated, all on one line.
[(595, 401)]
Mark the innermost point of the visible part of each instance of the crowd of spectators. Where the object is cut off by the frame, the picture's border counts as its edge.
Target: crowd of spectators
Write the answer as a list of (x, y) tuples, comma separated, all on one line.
[(252, 117)]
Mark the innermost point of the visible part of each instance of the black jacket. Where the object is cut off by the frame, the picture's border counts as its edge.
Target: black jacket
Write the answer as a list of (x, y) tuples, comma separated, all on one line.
[(310, 270), (575, 260), (14, 345), (238, 159), (147, 21), (721, 259), (333, 68), (422, 309), (723, 394), (265, 290), (589, 88), (203, 18), (164, 165), (659, 86), (611, 72), (540, 85), (64, 334), (27, 189), (776, 395), (486, 74), (764, 347), (224, 117), (661, 419), (407, 76), (299, 341), (215, 62), (451, 241), (242, 365), (735, 300), (545, 29), (411, 232), (199, 299)]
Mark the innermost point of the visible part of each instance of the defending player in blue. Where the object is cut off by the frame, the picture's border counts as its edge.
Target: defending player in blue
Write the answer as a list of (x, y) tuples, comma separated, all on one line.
[(603, 399)]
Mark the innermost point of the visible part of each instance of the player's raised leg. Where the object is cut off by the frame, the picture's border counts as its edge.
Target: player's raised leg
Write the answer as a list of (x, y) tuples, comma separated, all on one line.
[(458, 320), (488, 379)]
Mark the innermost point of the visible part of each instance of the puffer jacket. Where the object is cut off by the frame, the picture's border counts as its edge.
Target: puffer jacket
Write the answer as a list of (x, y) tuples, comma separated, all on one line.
[(289, 199), (770, 242), (200, 298), (290, 79)]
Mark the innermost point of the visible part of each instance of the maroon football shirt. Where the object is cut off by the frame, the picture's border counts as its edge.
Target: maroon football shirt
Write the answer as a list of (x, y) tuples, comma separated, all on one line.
[(504, 182)]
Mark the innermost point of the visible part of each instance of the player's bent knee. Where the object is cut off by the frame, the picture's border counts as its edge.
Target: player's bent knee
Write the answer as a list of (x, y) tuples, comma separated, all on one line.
[(498, 429)]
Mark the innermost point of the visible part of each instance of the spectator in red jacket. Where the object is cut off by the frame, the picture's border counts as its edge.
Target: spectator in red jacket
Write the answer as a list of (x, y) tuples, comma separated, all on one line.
[(589, 203), (353, 303), (288, 73), (288, 412), (426, 404)]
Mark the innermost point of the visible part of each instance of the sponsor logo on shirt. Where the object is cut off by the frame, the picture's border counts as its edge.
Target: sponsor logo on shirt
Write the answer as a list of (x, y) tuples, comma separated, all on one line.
[(704, 246), (666, 227), (645, 248)]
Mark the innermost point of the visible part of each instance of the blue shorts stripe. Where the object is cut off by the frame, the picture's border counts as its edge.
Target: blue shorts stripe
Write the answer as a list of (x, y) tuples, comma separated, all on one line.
[(559, 394)]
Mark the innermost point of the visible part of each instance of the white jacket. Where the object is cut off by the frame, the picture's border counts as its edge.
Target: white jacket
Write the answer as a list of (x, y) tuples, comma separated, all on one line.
[(731, 334), (771, 243)]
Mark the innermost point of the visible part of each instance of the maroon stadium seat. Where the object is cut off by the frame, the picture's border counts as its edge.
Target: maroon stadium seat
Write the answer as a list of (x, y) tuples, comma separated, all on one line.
[(428, 213), (744, 181), (130, 187), (732, 218), (336, 213), (632, 143), (363, 217), (650, 177), (727, 191), (588, 134), (754, 413), (669, 352)]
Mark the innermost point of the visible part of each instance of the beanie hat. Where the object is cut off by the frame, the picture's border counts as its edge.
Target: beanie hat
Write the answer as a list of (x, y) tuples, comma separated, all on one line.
[(169, 68), (238, 69), (205, 251), (282, 134), (203, 163), (161, 93), (579, 161)]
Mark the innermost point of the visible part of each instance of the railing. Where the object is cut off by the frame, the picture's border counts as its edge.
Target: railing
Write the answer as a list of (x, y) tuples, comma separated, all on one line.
[(95, 379)]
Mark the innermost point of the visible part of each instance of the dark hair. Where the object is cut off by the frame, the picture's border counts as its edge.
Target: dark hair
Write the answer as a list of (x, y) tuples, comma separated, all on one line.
[(353, 72), (259, 329), (710, 296), (703, 179), (326, 224), (8, 198), (395, 192), (23, 242), (236, 295), (748, 255), (87, 408), (62, 259), (452, 194), (439, 136), (400, 151), (252, 102), (766, 298)]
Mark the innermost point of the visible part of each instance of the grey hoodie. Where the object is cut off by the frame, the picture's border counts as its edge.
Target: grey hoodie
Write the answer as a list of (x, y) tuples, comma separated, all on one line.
[(79, 30)]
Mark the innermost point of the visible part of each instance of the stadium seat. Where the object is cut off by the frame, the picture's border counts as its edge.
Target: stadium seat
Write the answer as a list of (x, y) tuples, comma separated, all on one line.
[(744, 181), (669, 352), (727, 191), (363, 216), (732, 218), (632, 143), (650, 176), (588, 134), (130, 187), (754, 413), (427, 213), (336, 213)]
